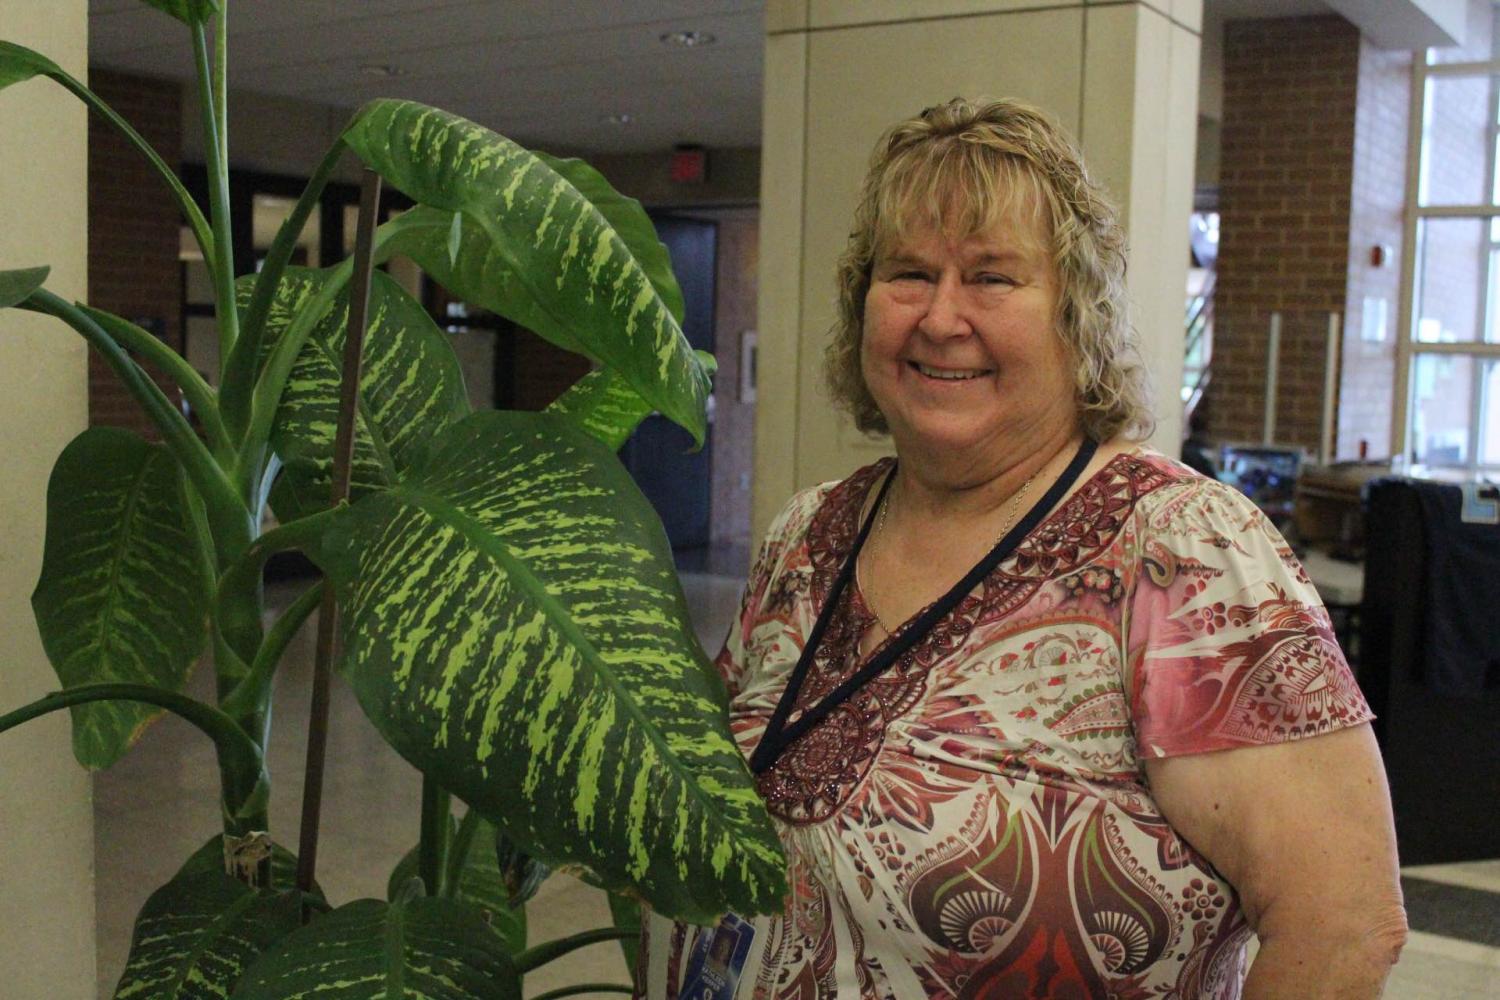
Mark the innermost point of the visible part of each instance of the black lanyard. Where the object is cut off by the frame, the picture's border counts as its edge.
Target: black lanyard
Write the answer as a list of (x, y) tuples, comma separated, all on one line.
[(778, 735)]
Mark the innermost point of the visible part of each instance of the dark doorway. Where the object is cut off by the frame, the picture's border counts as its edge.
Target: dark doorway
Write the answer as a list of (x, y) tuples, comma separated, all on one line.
[(659, 455)]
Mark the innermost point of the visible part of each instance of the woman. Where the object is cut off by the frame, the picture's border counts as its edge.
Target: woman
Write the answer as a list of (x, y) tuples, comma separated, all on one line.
[(1040, 712)]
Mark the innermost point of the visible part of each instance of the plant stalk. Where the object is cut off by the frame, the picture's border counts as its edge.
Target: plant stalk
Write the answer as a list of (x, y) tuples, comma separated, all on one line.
[(241, 762), (458, 852), (534, 958), (249, 703), (239, 376), (189, 208), (229, 517), (432, 848), (197, 392), (573, 991), (343, 460), (221, 265)]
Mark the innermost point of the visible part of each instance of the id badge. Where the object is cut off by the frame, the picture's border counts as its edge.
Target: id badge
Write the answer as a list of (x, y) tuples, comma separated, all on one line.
[(713, 969)]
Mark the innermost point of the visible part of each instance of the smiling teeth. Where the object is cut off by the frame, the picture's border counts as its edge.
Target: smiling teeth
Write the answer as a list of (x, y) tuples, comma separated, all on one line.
[(952, 376)]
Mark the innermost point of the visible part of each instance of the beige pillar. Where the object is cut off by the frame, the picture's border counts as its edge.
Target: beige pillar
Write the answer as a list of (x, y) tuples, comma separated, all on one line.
[(1121, 77), (46, 821)]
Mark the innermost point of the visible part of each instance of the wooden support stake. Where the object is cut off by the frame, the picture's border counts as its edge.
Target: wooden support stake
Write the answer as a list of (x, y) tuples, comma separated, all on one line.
[(343, 455)]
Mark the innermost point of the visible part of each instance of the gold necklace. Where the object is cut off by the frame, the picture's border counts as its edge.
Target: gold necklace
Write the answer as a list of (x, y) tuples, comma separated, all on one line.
[(880, 517)]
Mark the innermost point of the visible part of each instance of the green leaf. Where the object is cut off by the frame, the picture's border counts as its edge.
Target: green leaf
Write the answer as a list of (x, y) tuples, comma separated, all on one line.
[(414, 949), (605, 407), (514, 627), (627, 916), (189, 12), (120, 597), (15, 286), (411, 389), (630, 221), (18, 64), (480, 884), (573, 277), (197, 934)]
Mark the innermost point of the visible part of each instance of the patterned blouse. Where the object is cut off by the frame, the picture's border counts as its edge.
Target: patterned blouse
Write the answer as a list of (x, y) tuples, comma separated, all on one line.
[(976, 822)]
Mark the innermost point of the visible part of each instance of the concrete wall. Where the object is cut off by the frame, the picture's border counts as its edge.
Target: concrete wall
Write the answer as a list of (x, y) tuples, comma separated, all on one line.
[(46, 823)]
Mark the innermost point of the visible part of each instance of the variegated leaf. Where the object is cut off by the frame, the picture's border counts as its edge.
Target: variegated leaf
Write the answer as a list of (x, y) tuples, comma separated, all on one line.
[(626, 913), (16, 285), (605, 406), (18, 63), (121, 598), (480, 884), (559, 250), (514, 627), (631, 224), (411, 388), (187, 11), (414, 949), (197, 934)]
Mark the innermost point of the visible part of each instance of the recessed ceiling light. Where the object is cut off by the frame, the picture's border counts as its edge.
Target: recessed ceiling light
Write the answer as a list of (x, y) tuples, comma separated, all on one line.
[(688, 39), (380, 69), (618, 118)]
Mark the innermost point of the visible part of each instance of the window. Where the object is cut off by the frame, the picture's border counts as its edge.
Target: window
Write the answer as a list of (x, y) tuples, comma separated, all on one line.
[(1449, 362)]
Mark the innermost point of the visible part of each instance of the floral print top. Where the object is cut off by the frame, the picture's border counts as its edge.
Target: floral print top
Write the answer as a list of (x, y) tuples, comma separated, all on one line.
[(976, 822)]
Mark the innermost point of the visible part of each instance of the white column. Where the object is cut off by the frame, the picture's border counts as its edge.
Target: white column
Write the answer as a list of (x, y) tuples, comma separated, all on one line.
[(46, 818), (1121, 77)]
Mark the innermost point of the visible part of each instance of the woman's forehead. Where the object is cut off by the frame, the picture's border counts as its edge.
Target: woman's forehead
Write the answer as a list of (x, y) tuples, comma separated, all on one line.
[(1006, 238), (1011, 215)]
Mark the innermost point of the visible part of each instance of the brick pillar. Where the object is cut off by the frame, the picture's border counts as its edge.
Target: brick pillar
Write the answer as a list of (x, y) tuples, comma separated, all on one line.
[(1290, 97), (133, 232)]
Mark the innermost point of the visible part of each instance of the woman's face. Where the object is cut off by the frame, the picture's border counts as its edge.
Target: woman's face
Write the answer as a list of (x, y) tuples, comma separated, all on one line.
[(960, 347)]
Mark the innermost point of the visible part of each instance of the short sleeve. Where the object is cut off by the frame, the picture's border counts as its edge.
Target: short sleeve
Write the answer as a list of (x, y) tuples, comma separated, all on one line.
[(1227, 643)]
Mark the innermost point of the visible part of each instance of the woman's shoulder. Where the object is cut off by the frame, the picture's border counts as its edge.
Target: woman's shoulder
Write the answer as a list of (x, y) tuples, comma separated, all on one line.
[(1188, 508), (815, 503)]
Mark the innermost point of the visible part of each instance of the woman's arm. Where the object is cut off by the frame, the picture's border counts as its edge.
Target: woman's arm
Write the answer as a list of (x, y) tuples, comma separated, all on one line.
[(1303, 831)]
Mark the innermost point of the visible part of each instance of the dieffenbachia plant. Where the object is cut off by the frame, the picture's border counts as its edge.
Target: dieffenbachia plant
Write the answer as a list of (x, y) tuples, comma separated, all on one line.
[(511, 621)]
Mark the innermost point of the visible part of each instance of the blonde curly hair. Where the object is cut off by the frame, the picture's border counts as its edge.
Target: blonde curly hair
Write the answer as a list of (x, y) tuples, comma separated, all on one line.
[(959, 168)]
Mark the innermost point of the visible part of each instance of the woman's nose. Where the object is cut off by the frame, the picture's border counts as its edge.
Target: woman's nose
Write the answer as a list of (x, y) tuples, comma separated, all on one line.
[(945, 316)]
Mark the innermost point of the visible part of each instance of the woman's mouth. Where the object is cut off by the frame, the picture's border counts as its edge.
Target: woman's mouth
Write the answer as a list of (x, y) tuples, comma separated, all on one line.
[(949, 374)]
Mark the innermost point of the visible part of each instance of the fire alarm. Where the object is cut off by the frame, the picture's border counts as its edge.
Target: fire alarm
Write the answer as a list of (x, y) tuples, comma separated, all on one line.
[(689, 164)]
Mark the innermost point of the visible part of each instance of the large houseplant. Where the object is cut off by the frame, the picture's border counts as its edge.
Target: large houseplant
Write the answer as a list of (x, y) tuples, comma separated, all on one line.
[(511, 621)]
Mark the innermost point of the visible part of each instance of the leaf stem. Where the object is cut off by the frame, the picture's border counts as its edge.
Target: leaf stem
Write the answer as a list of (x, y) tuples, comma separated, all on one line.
[(222, 262), (189, 208), (458, 852), (228, 516), (534, 958), (570, 991), (432, 849), (250, 701), (241, 761), (239, 374), (299, 534), (199, 394)]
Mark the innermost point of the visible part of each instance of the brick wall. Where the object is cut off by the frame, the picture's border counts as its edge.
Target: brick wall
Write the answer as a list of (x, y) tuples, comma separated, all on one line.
[(133, 230), (1368, 369), (1286, 175)]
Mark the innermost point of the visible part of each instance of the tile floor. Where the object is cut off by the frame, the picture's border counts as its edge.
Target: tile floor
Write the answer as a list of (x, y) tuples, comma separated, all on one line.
[(159, 804)]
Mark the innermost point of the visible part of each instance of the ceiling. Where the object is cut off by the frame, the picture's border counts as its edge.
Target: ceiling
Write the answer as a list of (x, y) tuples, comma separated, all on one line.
[(549, 73)]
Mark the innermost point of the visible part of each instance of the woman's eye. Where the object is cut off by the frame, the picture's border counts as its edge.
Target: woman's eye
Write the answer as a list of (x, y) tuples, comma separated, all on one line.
[(990, 278), (909, 276)]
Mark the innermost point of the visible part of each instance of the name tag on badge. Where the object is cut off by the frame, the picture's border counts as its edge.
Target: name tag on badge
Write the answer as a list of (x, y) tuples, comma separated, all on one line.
[(718, 957)]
